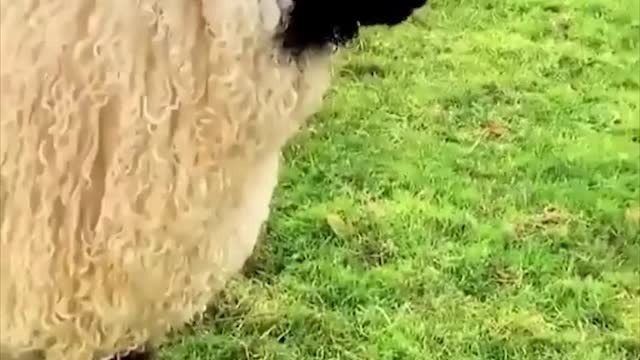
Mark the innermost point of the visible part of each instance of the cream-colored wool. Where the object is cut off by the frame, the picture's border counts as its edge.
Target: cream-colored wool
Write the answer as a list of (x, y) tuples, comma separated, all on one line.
[(139, 144)]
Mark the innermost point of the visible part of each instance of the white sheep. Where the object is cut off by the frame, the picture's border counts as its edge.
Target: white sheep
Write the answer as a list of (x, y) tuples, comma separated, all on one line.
[(139, 149)]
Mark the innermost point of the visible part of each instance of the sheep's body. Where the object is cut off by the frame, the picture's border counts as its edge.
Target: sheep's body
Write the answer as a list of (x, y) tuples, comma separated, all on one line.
[(139, 145)]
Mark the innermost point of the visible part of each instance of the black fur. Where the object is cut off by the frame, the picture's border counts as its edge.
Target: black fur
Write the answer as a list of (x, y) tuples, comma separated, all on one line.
[(319, 23), (142, 354)]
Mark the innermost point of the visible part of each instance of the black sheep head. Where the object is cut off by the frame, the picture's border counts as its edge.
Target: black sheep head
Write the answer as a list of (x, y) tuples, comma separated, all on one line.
[(320, 23)]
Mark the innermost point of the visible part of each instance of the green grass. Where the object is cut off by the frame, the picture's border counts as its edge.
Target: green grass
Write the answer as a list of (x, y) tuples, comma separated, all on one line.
[(471, 190)]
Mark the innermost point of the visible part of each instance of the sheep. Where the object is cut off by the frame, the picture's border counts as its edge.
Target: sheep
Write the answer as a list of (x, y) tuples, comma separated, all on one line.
[(139, 151)]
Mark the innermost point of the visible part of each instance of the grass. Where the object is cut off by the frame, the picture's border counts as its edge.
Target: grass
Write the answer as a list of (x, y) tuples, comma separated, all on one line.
[(471, 190)]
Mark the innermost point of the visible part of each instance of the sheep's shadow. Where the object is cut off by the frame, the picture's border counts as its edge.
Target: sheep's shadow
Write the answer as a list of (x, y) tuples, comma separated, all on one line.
[(263, 264)]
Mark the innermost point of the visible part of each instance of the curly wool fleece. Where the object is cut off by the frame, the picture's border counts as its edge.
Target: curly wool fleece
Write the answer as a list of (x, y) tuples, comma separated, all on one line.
[(139, 145)]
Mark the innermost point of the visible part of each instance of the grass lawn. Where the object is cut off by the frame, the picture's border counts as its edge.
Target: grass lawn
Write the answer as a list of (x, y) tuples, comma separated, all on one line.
[(471, 190)]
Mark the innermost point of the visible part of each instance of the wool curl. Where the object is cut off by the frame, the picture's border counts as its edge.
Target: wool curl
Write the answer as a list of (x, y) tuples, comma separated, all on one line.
[(139, 145)]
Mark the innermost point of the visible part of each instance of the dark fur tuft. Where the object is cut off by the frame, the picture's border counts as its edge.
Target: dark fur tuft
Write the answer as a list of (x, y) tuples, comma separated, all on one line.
[(319, 23), (143, 353)]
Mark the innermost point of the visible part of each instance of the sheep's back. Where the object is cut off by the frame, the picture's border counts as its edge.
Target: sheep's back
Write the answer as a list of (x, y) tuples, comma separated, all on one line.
[(128, 132)]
